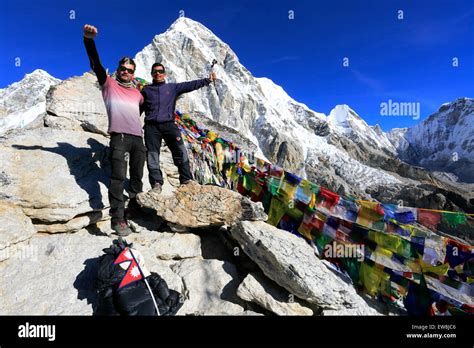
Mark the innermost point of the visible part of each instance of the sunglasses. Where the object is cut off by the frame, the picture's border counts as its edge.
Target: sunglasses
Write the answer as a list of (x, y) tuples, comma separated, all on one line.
[(154, 72), (130, 71)]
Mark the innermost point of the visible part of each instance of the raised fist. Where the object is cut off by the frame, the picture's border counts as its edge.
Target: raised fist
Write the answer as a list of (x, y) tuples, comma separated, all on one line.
[(90, 31)]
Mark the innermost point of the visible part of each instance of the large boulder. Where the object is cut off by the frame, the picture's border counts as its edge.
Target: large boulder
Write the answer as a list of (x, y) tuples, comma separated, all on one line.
[(77, 104), (64, 188), (55, 175), (262, 291), (290, 262), (194, 205), (15, 227)]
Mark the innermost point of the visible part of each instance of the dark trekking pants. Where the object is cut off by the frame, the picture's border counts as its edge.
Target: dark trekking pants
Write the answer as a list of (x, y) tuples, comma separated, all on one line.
[(169, 131), (123, 148)]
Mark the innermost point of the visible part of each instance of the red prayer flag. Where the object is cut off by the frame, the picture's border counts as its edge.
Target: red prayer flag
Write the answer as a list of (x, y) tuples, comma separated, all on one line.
[(328, 198), (428, 218)]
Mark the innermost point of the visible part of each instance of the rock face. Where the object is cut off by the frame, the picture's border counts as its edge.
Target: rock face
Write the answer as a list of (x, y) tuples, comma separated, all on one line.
[(210, 287), (290, 262), (260, 290), (15, 227), (65, 176), (77, 104), (195, 205), (444, 141)]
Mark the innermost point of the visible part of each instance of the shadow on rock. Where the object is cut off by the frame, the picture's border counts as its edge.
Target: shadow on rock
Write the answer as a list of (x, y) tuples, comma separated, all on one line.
[(85, 282), (83, 166)]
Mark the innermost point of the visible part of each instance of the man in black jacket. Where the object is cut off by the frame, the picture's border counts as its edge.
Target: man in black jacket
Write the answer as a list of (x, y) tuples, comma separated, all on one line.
[(159, 106)]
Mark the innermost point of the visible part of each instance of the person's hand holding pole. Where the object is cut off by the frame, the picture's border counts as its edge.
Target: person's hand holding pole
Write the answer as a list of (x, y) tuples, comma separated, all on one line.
[(213, 76)]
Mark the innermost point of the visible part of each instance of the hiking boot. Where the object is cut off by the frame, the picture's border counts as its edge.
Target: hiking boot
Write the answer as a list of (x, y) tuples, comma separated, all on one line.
[(121, 229), (156, 188)]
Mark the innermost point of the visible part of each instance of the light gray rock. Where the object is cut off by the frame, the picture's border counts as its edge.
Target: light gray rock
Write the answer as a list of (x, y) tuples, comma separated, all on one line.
[(53, 275), (167, 246), (177, 246), (15, 227), (75, 224), (196, 205), (210, 287), (291, 263), (65, 176), (262, 291), (77, 104)]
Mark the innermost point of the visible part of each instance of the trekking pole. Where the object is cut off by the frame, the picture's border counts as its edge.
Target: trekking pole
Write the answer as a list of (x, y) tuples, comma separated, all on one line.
[(214, 82), (146, 282)]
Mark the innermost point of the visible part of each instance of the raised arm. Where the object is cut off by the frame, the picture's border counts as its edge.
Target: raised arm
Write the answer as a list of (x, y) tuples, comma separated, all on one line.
[(90, 32)]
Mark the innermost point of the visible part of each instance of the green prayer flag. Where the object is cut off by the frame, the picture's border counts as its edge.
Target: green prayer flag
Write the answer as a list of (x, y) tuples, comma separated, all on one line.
[(453, 219)]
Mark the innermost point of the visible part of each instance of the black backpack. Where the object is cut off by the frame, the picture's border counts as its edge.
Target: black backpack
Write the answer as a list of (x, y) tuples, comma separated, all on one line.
[(134, 298)]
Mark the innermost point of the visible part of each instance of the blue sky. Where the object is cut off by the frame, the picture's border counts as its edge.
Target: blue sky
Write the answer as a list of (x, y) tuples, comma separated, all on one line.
[(408, 60)]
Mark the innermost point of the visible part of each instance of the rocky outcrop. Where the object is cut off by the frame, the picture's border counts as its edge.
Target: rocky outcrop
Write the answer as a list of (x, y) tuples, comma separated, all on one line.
[(262, 291), (77, 104), (195, 205), (444, 141), (65, 177), (291, 263)]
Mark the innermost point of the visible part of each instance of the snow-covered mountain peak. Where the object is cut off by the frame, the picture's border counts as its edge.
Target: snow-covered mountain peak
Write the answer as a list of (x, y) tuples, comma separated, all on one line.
[(192, 39), (39, 74), (344, 120), (23, 101), (189, 27), (27, 92)]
